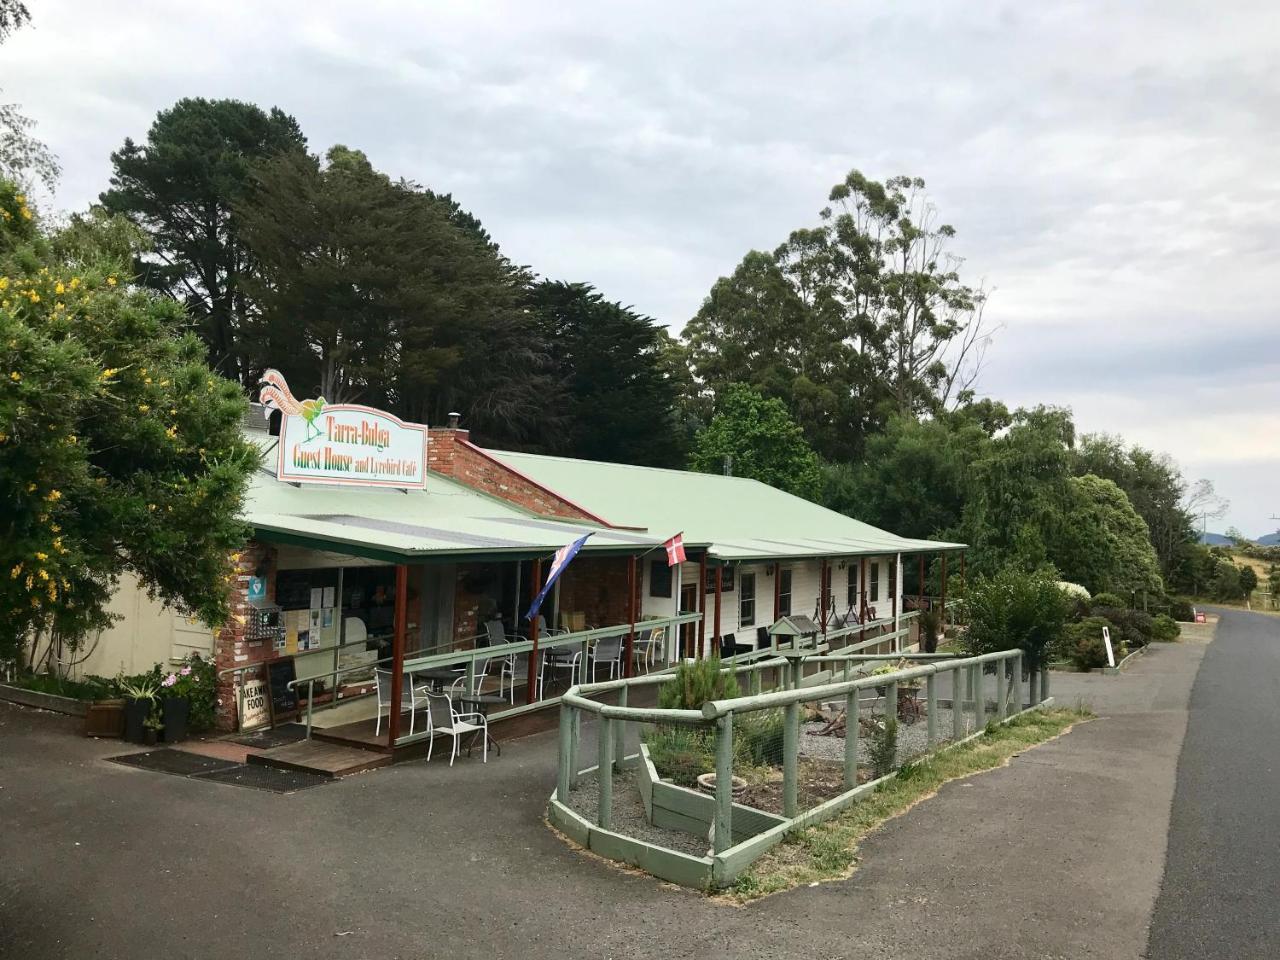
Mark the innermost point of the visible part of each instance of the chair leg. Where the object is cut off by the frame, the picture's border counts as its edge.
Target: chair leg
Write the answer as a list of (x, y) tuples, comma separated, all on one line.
[(430, 746), (484, 753), (455, 749)]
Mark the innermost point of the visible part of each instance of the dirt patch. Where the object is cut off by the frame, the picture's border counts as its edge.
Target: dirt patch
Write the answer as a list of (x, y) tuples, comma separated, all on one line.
[(819, 780)]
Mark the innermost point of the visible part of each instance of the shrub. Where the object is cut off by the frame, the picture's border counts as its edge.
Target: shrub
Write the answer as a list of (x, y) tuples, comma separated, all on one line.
[(758, 736), (1084, 646), (681, 753), (930, 622), (693, 684), (1108, 600), (1166, 628), (1015, 609), (1182, 610), (883, 749), (1133, 628)]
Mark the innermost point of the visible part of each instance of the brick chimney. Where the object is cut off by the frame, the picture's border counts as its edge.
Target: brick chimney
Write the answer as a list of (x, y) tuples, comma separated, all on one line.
[(443, 444)]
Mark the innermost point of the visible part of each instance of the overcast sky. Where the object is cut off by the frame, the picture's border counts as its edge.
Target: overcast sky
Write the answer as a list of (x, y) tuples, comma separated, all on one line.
[(1112, 170)]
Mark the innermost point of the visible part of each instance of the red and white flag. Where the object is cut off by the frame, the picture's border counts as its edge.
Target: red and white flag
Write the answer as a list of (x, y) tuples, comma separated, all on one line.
[(675, 550)]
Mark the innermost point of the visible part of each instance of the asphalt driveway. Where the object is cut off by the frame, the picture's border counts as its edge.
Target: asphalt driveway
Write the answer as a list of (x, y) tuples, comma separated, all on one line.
[(1057, 855)]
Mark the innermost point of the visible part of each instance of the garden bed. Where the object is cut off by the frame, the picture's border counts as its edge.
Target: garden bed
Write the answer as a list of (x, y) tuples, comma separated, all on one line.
[(43, 701)]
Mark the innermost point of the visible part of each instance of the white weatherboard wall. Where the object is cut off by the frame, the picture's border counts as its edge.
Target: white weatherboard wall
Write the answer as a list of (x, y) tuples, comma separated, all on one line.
[(147, 633), (805, 591)]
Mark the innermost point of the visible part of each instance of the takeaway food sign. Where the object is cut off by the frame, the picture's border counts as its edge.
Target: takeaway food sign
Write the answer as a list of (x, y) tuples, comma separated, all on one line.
[(344, 443)]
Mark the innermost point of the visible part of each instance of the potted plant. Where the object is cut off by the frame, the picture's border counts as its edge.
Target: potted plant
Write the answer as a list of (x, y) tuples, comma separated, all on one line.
[(139, 702), (175, 699), (151, 729)]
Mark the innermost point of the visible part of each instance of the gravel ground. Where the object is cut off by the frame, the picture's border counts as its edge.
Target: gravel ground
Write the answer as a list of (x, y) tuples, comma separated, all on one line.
[(913, 739), (628, 814)]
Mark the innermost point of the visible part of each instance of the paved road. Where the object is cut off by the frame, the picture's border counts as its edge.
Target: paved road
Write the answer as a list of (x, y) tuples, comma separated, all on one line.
[(1058, 855), (1221, 890)]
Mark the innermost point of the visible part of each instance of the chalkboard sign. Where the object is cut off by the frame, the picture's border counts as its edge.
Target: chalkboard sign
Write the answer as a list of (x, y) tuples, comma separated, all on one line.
[(726, 580), (284, 702)]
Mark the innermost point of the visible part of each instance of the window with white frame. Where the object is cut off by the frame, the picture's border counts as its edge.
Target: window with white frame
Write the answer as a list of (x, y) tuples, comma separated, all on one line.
[(784, 593), (852, 590), (746, 599), (893, 579), (873, 582)]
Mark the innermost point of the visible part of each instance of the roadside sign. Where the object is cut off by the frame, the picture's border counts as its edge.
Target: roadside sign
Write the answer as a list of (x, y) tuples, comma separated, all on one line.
[(1106, 639)]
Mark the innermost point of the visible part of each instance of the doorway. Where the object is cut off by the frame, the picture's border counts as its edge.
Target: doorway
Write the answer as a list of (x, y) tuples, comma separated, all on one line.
[(688, 631)]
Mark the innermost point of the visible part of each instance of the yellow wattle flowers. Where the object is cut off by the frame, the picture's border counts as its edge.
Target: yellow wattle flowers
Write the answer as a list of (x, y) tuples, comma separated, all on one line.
[(111, 281)]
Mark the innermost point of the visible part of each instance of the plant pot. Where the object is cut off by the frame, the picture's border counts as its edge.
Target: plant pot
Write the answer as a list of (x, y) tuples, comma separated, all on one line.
[(707, 784), (150, 735), (104, 718), (176, 712), (135, 716)]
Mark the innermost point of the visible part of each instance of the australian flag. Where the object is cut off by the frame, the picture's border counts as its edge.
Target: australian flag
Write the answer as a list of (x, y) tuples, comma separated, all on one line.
[(558, 563)]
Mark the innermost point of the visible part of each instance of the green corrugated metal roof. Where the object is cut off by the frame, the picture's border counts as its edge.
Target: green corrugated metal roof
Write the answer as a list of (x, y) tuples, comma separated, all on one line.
[(446, 520), (737, 518)]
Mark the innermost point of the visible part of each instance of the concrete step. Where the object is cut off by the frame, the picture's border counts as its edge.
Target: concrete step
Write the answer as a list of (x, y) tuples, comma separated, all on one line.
[(316, 756)]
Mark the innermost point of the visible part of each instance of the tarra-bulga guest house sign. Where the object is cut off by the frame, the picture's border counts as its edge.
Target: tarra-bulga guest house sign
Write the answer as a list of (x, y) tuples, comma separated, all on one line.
[(344, 442)]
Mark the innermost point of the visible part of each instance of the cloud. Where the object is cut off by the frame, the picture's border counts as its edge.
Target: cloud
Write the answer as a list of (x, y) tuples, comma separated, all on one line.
[(1112, 169)]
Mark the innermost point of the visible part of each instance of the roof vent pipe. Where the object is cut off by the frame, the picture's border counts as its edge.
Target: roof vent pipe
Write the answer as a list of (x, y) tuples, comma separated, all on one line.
[(454, 419)]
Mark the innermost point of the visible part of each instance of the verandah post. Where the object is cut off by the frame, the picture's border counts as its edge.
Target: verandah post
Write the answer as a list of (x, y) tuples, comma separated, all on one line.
[(531, 690), (790, 751), (604, 773), (397, 654), (724, 784), (777, 592), (715, 637), (702, 604), (631, 615), (851, 739)]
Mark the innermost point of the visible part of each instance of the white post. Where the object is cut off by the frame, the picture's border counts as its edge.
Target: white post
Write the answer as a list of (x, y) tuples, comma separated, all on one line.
[(897, 599), (672, 642)]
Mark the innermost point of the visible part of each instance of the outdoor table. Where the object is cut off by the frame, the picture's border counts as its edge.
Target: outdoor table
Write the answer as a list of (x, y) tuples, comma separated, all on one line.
[(439, 676), (482, 702)]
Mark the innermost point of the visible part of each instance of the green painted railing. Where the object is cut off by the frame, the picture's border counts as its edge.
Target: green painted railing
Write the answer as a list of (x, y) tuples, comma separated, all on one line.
[(582, 640), (728, 857)]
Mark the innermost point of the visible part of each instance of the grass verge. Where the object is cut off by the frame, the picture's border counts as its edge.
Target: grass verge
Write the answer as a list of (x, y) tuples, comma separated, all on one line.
[(829, 850)]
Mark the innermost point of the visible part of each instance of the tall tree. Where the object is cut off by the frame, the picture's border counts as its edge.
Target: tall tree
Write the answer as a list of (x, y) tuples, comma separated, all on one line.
[(1019, 497), (1152, 482), (380, 291), (848, 322), (1105, 545), (914, 478), (21, 154), (119, 449), (182, 186), (619, 403), (755, 437)]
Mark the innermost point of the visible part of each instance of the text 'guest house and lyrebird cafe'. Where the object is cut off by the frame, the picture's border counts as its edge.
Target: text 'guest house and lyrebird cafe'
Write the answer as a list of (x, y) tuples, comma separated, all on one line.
[(344, 442)]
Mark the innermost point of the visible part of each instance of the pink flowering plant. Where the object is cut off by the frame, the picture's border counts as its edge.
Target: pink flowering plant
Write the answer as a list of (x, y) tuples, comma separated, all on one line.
[(192, 680)]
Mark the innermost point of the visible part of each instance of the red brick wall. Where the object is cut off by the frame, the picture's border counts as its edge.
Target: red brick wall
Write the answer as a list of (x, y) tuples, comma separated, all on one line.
[(452, 453), (230, 649), (467, 604), (598, 587)]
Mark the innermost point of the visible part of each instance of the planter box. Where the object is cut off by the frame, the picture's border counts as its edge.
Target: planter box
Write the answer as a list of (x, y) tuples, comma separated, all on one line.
[(43, 701), (104, 718)]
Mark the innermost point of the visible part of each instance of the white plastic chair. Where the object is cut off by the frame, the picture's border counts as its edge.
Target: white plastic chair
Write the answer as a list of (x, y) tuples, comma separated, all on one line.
[(410, 696), (447, 719)]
